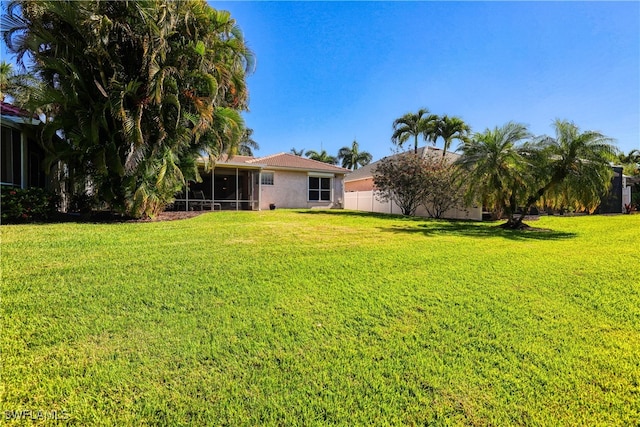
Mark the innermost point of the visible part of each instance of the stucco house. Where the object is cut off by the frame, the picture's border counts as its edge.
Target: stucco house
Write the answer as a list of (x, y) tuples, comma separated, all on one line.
[(280, 180), (20, 157)]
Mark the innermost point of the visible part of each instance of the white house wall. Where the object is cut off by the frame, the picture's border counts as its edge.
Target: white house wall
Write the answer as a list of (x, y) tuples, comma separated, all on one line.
[(290, 190)]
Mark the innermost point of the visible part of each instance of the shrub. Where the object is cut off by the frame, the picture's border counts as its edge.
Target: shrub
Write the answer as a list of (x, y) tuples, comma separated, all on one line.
[(27, 205)]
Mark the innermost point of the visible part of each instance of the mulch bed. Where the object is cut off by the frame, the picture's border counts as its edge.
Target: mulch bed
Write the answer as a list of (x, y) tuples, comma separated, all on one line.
[(110, 217), (170, 216)]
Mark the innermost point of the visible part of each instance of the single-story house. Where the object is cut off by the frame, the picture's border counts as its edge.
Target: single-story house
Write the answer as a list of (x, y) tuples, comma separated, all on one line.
[(280, 180), (360, 190), (21, 157)]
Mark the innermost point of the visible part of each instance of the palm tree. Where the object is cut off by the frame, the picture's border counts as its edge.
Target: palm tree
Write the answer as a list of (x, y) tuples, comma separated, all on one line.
[(630, 162), (19, 86), (579, 161), (497, 171), (6, 73), (574, 167), (449, 128), (632, 157), (412, 125), (322, 156), (139, 89), (247, 144), (352, 157), (299, 152)]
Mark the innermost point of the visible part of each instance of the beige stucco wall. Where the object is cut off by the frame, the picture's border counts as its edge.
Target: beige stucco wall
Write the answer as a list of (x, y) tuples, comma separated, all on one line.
[(290, 190)]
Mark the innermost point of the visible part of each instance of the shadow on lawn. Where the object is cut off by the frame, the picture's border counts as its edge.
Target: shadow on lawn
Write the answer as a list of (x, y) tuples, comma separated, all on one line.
[(434, 227), (471, 229)]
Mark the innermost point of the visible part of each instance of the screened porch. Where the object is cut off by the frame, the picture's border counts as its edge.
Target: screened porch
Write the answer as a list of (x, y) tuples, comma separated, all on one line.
[(222, 189)]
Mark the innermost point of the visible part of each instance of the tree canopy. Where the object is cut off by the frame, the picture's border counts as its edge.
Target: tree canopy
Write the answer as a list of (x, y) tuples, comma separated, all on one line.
[(413, 125), (510, 171), (401, 179), (352, 157), (138, 91), (322, 156)]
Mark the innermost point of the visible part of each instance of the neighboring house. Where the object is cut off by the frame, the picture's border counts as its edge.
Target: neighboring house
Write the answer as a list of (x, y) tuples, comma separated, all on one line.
[(619, 194), (360, 190), (21, 157), (256, 183)]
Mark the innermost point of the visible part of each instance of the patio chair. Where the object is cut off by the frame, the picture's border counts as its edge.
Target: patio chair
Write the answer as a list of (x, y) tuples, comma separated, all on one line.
[(199, 202)]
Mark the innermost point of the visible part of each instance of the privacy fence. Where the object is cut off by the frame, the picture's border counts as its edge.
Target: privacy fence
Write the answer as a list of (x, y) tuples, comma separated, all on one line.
[(366, 201)]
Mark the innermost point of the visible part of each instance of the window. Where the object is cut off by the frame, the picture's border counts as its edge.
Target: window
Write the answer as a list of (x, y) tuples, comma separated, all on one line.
[(266, 178), (11, 157), (319, 188)]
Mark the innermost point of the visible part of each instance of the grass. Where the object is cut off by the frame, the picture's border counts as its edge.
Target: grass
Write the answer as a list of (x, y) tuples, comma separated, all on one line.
[(322, 318)]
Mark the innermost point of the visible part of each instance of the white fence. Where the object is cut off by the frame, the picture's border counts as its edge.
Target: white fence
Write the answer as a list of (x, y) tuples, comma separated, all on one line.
[(626, 197), (366, 201)]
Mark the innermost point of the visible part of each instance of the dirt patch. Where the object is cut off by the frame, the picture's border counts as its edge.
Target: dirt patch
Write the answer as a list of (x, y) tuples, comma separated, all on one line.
[(170, 216), (111, 217)]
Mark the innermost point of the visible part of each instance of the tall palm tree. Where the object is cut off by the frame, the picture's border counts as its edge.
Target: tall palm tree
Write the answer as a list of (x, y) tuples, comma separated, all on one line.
[(449, 128), (322, 156), (352, 157), (139, 89), (299, 152), (497, 170), (412, 125), (247, 144)]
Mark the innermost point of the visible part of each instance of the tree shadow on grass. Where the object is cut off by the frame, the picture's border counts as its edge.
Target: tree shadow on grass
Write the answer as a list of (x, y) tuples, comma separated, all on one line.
[(435, 227), (475, 229), (361, 214)]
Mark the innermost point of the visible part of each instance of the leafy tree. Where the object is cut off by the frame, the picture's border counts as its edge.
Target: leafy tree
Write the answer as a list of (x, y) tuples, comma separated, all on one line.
[(322, 156), (139, 90), (299, 152), (352, 157), (18, 86), (402, 179), (444, 187), (509, 174), (247, 144), (413, 125), (630, 162), (632, 157), (449, 128)]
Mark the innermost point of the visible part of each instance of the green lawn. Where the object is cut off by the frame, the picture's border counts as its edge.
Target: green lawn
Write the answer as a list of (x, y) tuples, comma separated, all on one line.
[(322, 318)]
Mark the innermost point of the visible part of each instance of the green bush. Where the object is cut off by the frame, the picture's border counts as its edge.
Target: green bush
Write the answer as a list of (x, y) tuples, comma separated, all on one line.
[(27, 205)]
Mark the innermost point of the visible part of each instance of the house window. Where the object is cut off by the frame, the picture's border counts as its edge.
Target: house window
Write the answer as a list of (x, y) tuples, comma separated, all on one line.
[(266, 178), (319, 189), (11, 157)]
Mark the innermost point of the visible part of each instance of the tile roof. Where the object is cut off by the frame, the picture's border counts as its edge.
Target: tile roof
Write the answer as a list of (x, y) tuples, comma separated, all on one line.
[(368, 170), (7, 109), (283, 161)]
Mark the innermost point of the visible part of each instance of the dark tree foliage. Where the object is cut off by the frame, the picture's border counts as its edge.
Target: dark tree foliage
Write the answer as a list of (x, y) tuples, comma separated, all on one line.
[(137, 91), (401, 179)]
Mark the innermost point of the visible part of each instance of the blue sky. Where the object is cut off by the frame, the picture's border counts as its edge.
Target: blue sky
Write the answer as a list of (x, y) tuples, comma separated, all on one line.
[(329, 72)]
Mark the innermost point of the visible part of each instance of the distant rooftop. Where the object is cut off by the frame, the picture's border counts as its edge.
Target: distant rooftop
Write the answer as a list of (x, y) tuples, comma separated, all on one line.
[(367, 171), (283, 161), (11, 110)]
